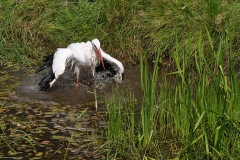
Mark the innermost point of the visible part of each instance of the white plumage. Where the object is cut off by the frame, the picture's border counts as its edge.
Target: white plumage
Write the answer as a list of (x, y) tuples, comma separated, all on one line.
[(115, 64), (84, 56)]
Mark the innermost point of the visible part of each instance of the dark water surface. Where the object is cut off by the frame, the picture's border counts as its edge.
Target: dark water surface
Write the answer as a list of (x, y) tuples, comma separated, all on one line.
[(60, 122), (65, 91)]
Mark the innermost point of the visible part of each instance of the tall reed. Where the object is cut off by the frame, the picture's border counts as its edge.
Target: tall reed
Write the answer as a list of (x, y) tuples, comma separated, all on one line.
[(201, 109), (193, 110), (148, 83), (121, 130)]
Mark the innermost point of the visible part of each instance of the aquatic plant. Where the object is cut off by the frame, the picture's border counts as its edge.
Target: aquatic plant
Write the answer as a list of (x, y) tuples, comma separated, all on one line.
[(121, 125), (148, 83), (193, 113), (203, 108)]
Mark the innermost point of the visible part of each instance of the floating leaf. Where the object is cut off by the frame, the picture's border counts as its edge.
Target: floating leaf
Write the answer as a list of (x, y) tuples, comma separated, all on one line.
[(54, 132), (50, 144), (33, 158), (17, 157), (45, 128), (97, 156), (28, 150), (39, 154), (68, 106), (58, 137), (48, 115), (10, 152), (45, 142), (29, 154), (55, 104), (75, 144)]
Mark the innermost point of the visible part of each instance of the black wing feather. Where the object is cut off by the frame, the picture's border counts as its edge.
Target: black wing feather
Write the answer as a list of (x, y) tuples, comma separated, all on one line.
[(108, 67), (110, 70), (48, 63), (49, 75), (45, 82)]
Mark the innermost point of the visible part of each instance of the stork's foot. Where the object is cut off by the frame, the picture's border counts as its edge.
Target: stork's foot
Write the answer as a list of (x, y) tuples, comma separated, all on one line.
[(81, 85), (77, 82), (87, 83), (86, 86)]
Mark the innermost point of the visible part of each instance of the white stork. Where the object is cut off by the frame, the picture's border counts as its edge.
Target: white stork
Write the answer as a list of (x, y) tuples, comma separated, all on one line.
[(83, 56)]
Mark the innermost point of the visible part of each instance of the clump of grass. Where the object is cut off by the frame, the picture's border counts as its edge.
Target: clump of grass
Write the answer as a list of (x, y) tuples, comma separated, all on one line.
[(148, 83), (121, 31), (21, 33), (190, 115), (165, 19), (121, 137), (125, 28), (36, 28), (202, 110)]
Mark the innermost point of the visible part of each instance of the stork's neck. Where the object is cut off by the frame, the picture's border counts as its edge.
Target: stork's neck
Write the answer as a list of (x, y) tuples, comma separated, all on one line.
[(95, 59), (113, 61)]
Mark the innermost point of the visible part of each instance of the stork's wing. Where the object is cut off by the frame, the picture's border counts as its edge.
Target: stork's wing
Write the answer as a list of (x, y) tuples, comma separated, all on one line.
[(56, 64), (48, 63), (113, 62), (113, 68), (46, 80), (109, 71)]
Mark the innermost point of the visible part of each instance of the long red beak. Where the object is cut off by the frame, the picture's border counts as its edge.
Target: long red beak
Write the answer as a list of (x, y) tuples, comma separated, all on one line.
[(100, 57)]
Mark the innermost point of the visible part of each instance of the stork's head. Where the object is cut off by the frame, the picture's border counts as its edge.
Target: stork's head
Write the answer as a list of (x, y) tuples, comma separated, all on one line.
[(97, 49), (119, 77)]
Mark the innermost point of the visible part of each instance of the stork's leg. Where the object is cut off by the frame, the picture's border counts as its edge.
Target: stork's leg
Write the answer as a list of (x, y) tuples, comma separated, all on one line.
[(87, 82), (87, 77), (72, 64), (93, 71), (77, 71)]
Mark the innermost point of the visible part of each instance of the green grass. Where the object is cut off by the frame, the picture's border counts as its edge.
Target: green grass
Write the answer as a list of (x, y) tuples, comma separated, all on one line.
[(121, 128), (148, 83), (125, 28), (193, 114)]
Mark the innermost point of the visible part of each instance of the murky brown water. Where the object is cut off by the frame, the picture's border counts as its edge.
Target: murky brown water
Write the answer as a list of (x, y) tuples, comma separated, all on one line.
[(65, 91), (59, 122)]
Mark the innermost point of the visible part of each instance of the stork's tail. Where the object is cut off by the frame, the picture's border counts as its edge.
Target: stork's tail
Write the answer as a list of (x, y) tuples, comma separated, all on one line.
[(48, 63), (49, 76)]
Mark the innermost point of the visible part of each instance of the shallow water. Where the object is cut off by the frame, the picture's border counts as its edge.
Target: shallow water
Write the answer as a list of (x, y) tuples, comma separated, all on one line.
[(53, 118), (65, 91)]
